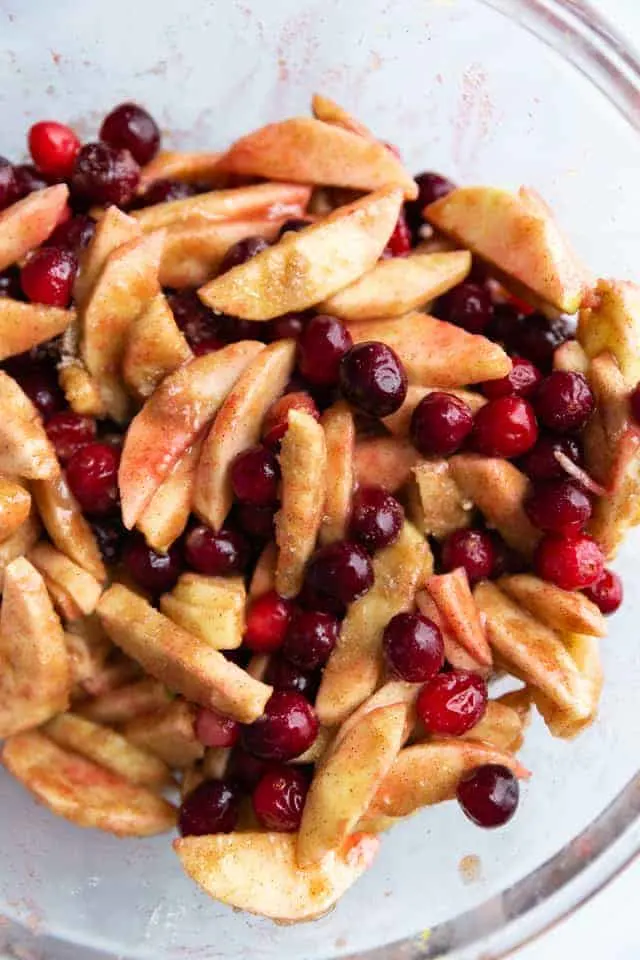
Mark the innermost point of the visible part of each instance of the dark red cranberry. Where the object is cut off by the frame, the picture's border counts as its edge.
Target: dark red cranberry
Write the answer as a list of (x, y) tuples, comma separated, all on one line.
[(540, 463), (215, 730), (452, 703), (564, 401), (505, 427), (41, 386), (278, 799), (268, 618), (69, 432), (155, 572), (74, 234), (572, 563), (634, 401), (196, 321), (431, 186), (413, 647), (216, 554), (28, 180), (8, 185), (245, 769), (288, 327), (48, 275), (54, 148), (504, 325), (522, 381), (558, 506), (342, 571), (538, 337), (440, 424), (105, 174), (281, 674), (376, 518), (473, 550), (275, 422), (110, 534), (10, 283), (506, 559), (255, 475), (212, 807), (92, 474), (257, 522), (242, 251), (232, 329), (293, 225), (130, 127), (373, 379), (209, 345), (468, 306), (400, 242), (286, 729), (321, 346), (606, 592), (310, 639), (489, 795), (164, 191)]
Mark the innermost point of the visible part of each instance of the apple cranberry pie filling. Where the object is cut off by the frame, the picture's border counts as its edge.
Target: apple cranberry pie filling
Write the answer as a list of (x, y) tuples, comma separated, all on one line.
[(297, 455)]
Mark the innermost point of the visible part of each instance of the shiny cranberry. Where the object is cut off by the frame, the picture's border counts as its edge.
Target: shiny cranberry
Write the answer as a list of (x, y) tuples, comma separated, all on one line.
[(522, 381), (92, 474), (68, 432), (558, 506), (376, 518), (208, 345), (489, 795), (164, 191), (281, 674), (216, 554), (440, 424), (537, 338), (606, 592), (373, 379), (504, 325), (54, 148), (468, 306), (40, 384), (274, 426), (74, 234), (132, 128), (293, 225), (505, 427), (400, 241), (10, 283), (105, 174), (413, 647), (110, 534), (196, 321), (242, 251), (28, 180), (268, 618), (572, 563), (233, 329), (48, 275), (212, 807), (255, 475), (321, 346), (286, 729), (431, 186), (155, 572), (288, 327), (310, 639), (540, 463), (245, 769), (452, 703), (257, 522), (634, 401), (342, 571), (8, 185), (278, 799), (213, 729), (564, 401), (473, 550)]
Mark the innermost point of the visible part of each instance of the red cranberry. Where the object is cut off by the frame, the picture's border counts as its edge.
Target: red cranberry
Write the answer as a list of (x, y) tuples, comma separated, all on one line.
[(468, 306), (267, 620), (212, 807), (54, 148), (48, 275), (540, 462), (293, 225), (473, 550), (92, 474), (286, 729), (400, 241), (506, 559), (164, 191), (105, 174), (634, 400), (246, 769), (28, 180), (8, 186), (522, 381), (281, 674), (537, 338), (155, 572), (215, 730), (275, 422), (279, 797), (440, 424), (68, 432), (564, 401), (558, 506), (413, 647), (131, 127), (209, 345), (572, 563), (376, 518), (341, 571), (431, 186), (504, 325), (242, 251), (489, 795), (254, 476), (505, 427), (110, 534), (373, 379), (257, 522), (10, 283), (452, 703), (310, 639), (232, 329), (196, 321), (218, 554), (41, 386), (288, 327), (606, 592), (321, 347), (74, 234)]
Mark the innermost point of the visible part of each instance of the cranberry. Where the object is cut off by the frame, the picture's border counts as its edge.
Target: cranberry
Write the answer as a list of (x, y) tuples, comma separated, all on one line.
[(321, 347), (400, 241), (431, 186), (440, 424), (540, 462), (74, 234), (208, 345), (558, 506), (242, 251), (54, 148), (341, 571), (8, 186), (286, 729), (164, 191), (506, 559), (564, 401), (287, 327), (473, 550), (92, 474), (155, 572), (215, 730), (216, 554), (293, 225), (68, 432), (275, 422), (572, 563), (41, 386), (105, 174), (537, 338), (196, 321), (468, 306), (376, 518), (10, 283), (606, 592), (232, 329), (504, 325), (212, 807), (281, 674), (373, 379), (489, 795), (28, 180), (131, 127), (48, 275), (522, 381), (505, 427), (267, 621), (254, 476), (310, 639), (246, 769), (413, 647), (452, 703), (634, 401), (110, 534), (257, 522), (278, 799)]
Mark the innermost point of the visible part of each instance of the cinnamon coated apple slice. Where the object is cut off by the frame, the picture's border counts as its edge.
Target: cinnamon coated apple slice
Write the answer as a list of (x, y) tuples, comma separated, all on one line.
[(340, 434), (264, 574), (66, 525), (113, 230), (457, 655), (121, 704), (89, 648), (327, 110), (563, 610), (436, 504), (211, 608), (25, 325), (154, 348), (166, 515), (25, 450), (29, 222), (81, 587), (392, 693), (585, 652), (19, 543), (187, 167), (611, 322), (455, 602), (168, 733), (384, 461), (399, 422), (80, 389), (502, 726), (15, 505)]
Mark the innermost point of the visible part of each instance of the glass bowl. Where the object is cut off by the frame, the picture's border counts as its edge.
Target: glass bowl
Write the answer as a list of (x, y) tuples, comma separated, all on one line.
[(540, 92)]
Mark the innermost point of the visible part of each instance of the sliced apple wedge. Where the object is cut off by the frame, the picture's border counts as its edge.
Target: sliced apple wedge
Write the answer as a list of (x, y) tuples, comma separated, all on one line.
[(327, 110), (399, 422), (612, 322), (19, 543), (436, 504), (340, 435), (610, 424), (454, 652), (212, 611), (125, 702), (562, 610), (25, 450), (237, 427), (80, 389), (15, 506), (154, 348), (436, 353), (392, 693), (168, 733), (501, 726), (384, 461), (165, 517), (81, 586), (570, 356), (172, 418), (113, 230), (516, 233), (29, 222), (231, 868), (455, 602), (25, 325), (178, 165), (88, 647), (264, 574), (66, 525), (320, 748), (355, 666), (564, 723), (310, 265), (619, 510), (303, 462)]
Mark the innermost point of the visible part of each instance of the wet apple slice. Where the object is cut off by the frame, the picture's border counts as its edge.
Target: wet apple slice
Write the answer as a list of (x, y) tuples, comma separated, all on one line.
[(455, 602), (393, 692), (327, 110), (15, 506), (457, 655), (570, 356), (612, 322), (166, 515), (211, 608), (619, 510), (113, 230), (123, 703), (563, 610), (154, 348), (19, 543), (88, 647), (501, 727), (80, 389), (384, 462), (25, 325), (436, 504), (178, 165), (168, 733), (82, 587), (25, 450), (26, 224), (340, 434), (399, 422), (66, 524), (585, 652)]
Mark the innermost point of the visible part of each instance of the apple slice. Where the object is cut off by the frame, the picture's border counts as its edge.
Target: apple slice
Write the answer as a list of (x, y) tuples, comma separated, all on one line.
[(264, 575), (308, 266), (611, 322), (455, 602), (83, 792), (165, 517), (303, 462), (237, 427), (329, 111), (615, 513), (66, 524), (340, 435), (154, 348), (88, 647), (320, 747), (436, 505), (80, 389), (570, 356), (231, 868), (564, 723), (119, 670), (29, 222), (610, 423), (19, 543), (15, 506), (176, 165), (396, 286), (25, 450), (399, 422), (123, 703), (501, 727), (25, 325), (434, 352), (392, 693), (185, 663), (518, 235), (81, 587), (355, 666), (455, 653), (562, 610), (168, 733), (202, 590), (113, 230), (213, 612), (172, 418), (384, 461)]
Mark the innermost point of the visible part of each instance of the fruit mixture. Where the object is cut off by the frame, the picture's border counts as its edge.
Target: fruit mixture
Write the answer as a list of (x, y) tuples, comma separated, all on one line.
[(298, 454)]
